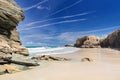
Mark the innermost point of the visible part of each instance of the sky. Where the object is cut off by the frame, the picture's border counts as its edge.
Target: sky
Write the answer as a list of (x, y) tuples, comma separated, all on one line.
[(60, 22)]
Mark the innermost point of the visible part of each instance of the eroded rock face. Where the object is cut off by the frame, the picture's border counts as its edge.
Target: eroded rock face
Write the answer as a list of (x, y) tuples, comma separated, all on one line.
[(88, 42), (10, 15), (112, 41)]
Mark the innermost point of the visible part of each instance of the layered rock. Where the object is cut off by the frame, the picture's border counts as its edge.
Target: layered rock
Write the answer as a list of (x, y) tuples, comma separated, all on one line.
[(50, 58), (10, 15), (112, 40), (88, 42), (10, 45)]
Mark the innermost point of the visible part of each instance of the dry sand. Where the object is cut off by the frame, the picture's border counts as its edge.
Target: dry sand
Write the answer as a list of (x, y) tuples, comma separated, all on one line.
[(106, 66)]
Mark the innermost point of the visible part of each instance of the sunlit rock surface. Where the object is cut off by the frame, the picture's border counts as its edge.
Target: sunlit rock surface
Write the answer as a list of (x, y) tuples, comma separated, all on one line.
[(10, 15), (112, 40)]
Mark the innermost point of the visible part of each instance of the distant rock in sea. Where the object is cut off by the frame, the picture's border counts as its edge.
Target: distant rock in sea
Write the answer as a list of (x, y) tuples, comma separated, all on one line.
[(10, 15), (88, 42), (69, 45), (112, 40)]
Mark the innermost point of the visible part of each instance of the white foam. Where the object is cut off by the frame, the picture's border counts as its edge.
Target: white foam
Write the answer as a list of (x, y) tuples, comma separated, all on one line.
[(49, 50)]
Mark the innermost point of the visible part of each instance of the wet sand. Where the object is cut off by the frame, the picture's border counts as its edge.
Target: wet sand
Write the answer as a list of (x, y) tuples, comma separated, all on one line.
[(105, 66)]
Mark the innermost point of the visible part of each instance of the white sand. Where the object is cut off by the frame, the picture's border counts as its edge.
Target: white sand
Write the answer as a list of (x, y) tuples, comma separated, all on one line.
[(106, 66)]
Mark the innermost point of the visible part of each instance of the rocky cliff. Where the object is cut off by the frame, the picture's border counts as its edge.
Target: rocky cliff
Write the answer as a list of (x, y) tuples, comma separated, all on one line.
[(112, 40), (10, 15), (88, 42)]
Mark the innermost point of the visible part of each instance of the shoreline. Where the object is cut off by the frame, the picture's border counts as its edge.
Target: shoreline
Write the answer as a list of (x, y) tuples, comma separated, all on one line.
[(107, 68), (52, 51)]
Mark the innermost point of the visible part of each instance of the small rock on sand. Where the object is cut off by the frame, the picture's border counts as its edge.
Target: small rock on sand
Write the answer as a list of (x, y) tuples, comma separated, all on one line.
[(86, 59)]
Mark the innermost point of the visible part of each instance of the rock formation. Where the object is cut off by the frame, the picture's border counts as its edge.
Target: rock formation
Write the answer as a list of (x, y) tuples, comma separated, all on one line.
[(86, 59), (88, 42), (112, 41), (50, 58), (9, 69), (10, 45), (69, 45), (10, 15)]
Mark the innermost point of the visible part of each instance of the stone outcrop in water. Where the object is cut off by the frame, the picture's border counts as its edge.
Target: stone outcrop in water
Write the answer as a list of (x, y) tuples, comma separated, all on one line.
[(112, 40), (10, 15), (88, 42), (69, 45)]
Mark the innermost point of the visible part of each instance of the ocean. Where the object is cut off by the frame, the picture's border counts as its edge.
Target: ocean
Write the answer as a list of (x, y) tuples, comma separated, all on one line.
[(36, 50)]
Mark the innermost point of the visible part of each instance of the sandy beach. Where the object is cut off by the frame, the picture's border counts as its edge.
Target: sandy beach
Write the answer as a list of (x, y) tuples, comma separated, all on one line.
[(105, 66), (59, 40)]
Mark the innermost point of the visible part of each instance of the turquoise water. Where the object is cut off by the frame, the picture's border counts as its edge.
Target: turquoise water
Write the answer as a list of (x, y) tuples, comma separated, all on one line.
[(41, 46)]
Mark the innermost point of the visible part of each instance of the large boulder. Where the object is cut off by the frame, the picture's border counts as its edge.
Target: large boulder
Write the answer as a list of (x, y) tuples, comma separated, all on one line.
[(10, 15), (20, 60), (88, 42), (112, 40)]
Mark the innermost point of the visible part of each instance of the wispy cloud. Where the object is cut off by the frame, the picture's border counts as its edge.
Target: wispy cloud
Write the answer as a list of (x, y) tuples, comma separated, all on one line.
[(67, 36), (40, 36), (66, 7), (42, 7), (29, 43), (35, 6), (98, 30), (63, 17), (40, 39), (61, 22), (38, 5)]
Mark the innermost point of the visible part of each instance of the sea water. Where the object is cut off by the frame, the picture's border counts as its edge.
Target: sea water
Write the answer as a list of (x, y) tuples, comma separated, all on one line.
[(36, 50)]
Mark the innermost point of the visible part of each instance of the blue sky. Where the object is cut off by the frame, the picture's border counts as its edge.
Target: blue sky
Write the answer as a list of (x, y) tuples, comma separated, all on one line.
[(60, 22)]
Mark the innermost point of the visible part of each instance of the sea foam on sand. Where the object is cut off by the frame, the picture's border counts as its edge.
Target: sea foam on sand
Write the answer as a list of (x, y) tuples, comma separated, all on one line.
[(105, 68), (52, 50)]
